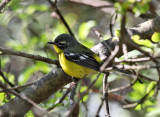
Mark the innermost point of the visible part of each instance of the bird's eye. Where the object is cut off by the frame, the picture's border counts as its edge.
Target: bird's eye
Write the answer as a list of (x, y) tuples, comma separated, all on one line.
[(61, 43)]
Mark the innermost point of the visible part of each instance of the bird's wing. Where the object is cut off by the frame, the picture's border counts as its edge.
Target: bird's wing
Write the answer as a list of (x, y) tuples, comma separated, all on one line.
[(83, 58)]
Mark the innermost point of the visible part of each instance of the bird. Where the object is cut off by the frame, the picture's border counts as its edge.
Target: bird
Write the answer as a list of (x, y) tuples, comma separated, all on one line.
[(76, 60)]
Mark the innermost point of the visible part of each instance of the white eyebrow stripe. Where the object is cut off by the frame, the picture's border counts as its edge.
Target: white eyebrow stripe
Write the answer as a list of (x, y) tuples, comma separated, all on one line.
[(62, 42)]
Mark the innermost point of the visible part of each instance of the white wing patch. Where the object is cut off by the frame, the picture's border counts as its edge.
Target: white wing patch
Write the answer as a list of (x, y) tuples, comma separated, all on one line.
[(82, 57), (77, 57), (67, 54), (85, 56), (71, 54)]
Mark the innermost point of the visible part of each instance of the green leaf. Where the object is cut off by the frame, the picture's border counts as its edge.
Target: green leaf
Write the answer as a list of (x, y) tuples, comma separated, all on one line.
[(150, 86), (34, 7), (98, 83), (9, 76), (85, 98), (126, 6), (117, 32), (39, 66), (4, 61), (138, 91), (71, 19), (83, 88), (140, 8), (132, 1), (135, 37), (144, 42), (85, 28), (156, 37), (123, 6), (15, 5), (58, 94), (112, 77), (132, 54), (29, 114), (88, 42), (2, 97), (118, 7)]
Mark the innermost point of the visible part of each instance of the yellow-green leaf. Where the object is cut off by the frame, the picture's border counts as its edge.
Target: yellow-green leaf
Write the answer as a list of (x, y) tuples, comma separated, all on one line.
[(144, 42), (156, 37), (85, 28)]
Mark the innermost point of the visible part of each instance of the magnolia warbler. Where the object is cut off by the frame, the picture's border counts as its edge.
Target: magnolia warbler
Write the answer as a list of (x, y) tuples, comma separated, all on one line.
[(75, 59)]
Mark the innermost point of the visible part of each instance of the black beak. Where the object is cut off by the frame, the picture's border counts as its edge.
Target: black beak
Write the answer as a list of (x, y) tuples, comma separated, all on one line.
[(50, 42)]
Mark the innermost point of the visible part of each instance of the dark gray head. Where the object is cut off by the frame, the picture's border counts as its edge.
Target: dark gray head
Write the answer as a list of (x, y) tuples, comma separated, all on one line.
[(63, 41)]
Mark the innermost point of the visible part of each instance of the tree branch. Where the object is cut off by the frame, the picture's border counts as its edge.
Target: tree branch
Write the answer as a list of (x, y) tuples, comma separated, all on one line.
[(54, 6), (30, 56), (3, 4), (56, 79), (144, 30), (38, 92)]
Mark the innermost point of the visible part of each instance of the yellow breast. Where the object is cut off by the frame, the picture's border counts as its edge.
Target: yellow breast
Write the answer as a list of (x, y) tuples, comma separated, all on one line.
[(73, 69)]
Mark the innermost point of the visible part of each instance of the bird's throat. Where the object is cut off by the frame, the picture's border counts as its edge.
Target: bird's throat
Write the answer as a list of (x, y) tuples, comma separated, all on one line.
[(57, 49)]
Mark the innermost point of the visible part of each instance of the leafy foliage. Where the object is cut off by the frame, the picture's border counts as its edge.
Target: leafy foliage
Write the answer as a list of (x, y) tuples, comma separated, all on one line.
[(31, 25)]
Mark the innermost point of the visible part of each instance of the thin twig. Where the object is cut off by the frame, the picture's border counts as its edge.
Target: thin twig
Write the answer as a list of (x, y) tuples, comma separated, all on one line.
[(126, 86), (19, 87), (85, 105), (152, 58), (144, 59), (122, 31), (105, 94), (73, 92), (99, 108), (158, 82), (98, 34), (3, 4), (83, 94), (6, 79), (60, 100), (131, 67), (112, 22), (63, 97), (119, 88), (54, 6), (117, 47), (134, 45), (139, 101), (146, 78), (0, 64), (30, 56), (110, 58), (24, 97), (125, 51)]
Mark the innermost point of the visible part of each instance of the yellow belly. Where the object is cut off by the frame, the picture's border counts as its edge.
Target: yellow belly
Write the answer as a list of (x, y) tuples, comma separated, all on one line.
[(73, 69)]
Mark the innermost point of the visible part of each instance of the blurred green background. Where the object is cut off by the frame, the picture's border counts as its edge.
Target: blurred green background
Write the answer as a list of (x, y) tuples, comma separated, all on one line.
[(26, 26)]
